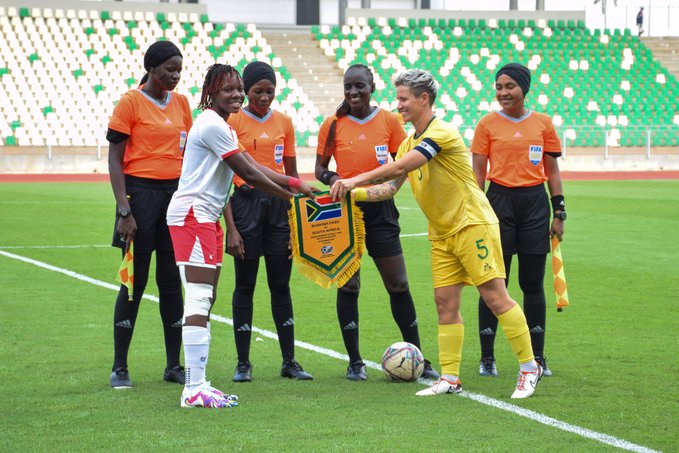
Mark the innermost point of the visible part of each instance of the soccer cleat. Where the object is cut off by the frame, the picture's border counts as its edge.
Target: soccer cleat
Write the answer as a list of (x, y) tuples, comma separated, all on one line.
[(356, 371), (293, 370), (487, 367), (429, 372), (120, 378), (441, 387), (542, 361), (243, 372), (205, 395), (527, 382), (175, 374)]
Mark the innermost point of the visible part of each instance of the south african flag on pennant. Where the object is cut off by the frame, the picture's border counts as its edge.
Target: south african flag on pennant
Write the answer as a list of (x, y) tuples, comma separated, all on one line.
[(327, 238)]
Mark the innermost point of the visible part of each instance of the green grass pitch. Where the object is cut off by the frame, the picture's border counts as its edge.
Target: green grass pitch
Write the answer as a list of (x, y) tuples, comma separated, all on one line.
[(613, 351)]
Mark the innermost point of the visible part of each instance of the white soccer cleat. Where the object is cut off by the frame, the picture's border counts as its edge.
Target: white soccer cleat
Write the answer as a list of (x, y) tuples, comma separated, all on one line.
[(527, 382), (441, 387), (207, 396)]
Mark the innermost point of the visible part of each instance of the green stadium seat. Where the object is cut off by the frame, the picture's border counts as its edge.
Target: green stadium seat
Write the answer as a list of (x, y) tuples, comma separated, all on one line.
[(24, 12), (105, 15), (160, 17), (10, 140)]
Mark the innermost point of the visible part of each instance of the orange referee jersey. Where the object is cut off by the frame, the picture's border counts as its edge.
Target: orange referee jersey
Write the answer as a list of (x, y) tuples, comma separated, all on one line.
[(266, 139), (362, 145), (157, 133), (515, 147)]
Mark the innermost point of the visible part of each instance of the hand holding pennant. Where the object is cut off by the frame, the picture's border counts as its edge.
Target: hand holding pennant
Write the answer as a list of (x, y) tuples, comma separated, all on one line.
[(126, 271), (560, 287)]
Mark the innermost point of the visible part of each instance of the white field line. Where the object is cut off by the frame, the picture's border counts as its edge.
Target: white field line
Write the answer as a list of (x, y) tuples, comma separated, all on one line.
[(517, 410)]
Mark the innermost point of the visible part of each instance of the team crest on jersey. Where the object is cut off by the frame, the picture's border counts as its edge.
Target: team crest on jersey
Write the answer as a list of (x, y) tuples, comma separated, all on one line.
[(278, 153), (535, 154), (322, 208), (382, 153)]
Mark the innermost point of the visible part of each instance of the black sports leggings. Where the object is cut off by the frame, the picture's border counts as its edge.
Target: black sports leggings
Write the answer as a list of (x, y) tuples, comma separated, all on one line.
[(531, 282)]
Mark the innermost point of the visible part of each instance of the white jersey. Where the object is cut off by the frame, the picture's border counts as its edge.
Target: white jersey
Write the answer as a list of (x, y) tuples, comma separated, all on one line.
[(206, 179)]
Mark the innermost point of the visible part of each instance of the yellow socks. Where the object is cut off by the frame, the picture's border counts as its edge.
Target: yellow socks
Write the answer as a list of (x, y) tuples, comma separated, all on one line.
[(451, 337), (514, 326)]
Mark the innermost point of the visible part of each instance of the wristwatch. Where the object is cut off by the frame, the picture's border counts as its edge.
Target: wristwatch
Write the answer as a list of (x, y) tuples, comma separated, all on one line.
[(124, 213), (560, 215)]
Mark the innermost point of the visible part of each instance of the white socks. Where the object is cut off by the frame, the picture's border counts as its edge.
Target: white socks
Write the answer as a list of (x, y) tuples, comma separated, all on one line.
[(530, 367), (196, 347)]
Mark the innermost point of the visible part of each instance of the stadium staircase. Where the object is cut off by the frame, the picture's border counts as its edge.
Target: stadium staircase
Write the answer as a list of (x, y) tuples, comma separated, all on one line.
[(666, 51), (316, 72)]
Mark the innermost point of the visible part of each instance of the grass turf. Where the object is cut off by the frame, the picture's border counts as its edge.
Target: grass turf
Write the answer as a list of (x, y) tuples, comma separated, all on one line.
[(612, 352)]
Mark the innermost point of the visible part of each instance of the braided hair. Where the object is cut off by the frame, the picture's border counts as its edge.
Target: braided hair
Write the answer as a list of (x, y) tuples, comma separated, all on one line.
[(214, 80)]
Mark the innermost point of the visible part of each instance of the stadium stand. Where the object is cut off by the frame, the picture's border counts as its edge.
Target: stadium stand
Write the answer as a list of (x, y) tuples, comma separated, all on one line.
[(62, 70), (581, 78), (73, 65)]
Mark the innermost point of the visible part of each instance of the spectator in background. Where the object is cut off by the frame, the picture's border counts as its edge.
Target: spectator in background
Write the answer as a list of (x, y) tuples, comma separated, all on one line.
[(147, 133), (257, 222), (361, 137), (522, 148), (640, 21)]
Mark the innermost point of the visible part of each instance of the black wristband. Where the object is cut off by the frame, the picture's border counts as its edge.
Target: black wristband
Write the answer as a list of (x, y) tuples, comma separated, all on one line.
[(326, 176), (558, 203)]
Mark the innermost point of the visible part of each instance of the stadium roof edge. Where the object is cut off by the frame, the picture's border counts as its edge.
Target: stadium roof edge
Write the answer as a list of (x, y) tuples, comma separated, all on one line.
[(197, 8), (458, 14)]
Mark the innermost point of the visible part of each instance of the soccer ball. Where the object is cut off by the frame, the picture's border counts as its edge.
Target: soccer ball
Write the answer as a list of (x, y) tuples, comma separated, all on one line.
[(402, 362)]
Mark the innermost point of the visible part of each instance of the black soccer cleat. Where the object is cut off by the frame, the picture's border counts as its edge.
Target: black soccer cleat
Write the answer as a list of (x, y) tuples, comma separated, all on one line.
[(175, 374), (120, 378), (293, 370), (542, 361), (243, 372), (487, 366), (356, 371), (429, 372)]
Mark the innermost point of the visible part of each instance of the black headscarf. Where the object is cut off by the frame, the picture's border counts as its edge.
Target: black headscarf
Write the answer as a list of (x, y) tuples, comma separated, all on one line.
[(256, 71), (519, 73), (158, 53)]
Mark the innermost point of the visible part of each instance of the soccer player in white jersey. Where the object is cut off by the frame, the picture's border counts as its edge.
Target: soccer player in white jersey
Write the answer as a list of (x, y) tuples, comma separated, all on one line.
[(212, 156)]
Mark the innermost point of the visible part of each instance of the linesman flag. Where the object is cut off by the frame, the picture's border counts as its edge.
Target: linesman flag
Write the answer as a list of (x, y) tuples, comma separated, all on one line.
[(560, 287), (126, 271)]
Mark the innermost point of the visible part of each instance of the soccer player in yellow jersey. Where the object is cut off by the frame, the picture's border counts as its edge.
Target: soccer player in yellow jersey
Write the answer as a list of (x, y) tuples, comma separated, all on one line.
[(463, 230)]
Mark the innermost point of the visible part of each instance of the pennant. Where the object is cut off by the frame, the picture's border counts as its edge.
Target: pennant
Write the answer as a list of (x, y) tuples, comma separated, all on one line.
[(327, 238), (560, 287), (126, 271)]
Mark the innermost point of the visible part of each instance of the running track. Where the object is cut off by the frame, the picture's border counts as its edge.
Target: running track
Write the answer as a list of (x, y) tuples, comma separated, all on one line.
[(566, 175)]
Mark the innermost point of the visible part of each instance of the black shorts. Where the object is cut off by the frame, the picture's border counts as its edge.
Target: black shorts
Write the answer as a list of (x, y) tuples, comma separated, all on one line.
[(381, 228), (262, 221), (149, 199), (524, 218)]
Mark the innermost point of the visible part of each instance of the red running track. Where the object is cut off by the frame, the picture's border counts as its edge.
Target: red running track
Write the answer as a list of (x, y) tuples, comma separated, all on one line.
[(566, 175)]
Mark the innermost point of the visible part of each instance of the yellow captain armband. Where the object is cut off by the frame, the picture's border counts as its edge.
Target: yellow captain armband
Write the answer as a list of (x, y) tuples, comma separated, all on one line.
[(360, 194)]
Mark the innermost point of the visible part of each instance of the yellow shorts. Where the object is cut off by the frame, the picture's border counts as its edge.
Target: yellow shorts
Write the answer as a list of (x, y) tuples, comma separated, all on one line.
[(471, 256)]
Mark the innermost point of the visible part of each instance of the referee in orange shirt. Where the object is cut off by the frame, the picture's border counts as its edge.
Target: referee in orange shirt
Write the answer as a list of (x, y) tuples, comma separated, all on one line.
[(522, 148), (147, 134), (257, 222), (361, 137)]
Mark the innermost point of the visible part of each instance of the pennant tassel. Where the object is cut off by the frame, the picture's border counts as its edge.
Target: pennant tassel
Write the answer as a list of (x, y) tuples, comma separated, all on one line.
[(343, 270), (560, 288), (126, 271)]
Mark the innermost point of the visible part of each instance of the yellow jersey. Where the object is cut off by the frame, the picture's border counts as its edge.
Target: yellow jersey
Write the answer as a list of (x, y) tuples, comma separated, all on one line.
[(445, 187)]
